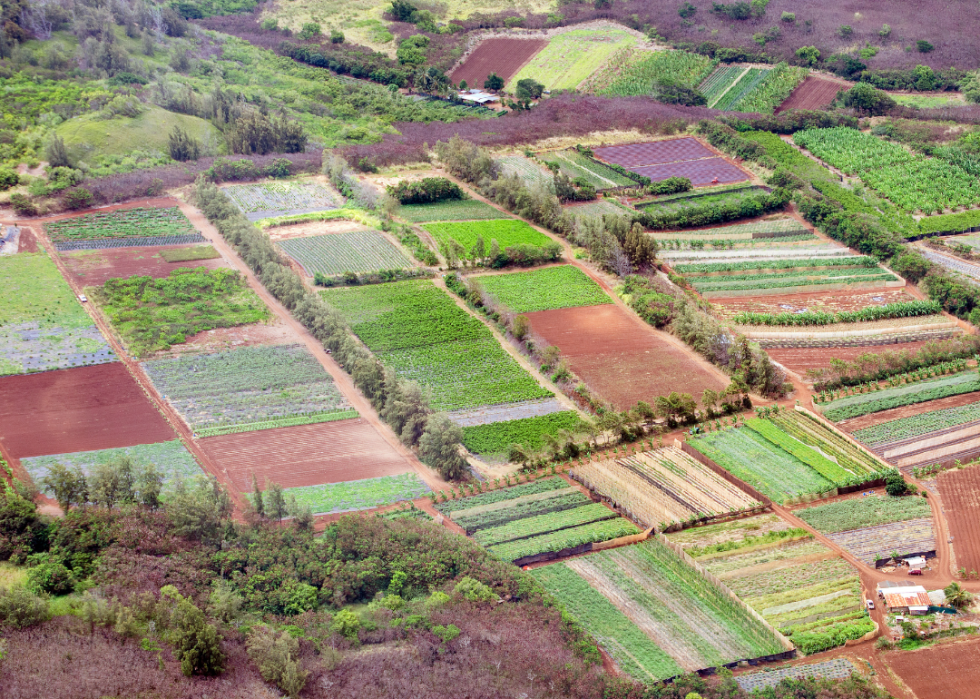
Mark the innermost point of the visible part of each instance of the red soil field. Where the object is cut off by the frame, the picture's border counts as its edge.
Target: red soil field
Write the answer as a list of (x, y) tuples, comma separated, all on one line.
[(94, 267), (83, 409), (700, 172), (620, 357), (27, 242), (814, 301), (501, 56), (960, 493), (655, 153), (801, 359), (859, 423), (328, 452), (813, 93), (944, 671)]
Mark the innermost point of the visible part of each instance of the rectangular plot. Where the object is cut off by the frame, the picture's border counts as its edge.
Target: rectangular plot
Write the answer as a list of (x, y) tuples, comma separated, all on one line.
[(462, 210), (871, 544), (267, 199), (362, 494), (336, 253), (639, 154), (501, 56), (700, 172), (126, 223), (564, 286)]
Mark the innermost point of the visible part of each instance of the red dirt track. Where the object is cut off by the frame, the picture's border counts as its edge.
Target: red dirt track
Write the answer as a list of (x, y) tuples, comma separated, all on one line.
[(813, 93), (327, 452), (501, 56), (700, 172), (94, 267), (960, 492), (619, 356), (82, 409), (944, 671)]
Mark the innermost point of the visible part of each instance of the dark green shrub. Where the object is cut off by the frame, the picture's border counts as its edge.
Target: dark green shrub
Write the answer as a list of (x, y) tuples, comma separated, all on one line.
[(20, 608), (51, 578), (197, 644)]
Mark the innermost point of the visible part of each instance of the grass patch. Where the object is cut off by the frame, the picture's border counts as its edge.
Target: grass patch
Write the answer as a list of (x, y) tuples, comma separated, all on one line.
[(198, 252), (544, 289), (359, 495), (154, 314), (497, 437), (34, 290), (846, 515), (11, 575)]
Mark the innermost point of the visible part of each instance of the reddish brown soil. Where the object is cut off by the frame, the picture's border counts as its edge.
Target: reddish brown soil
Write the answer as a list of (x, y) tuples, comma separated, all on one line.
[(328, 452), (700, 172), (501, 56), (654, 153), (860, 423), (619, 356), (94, 267), (799, 360), (27, 242), (813, 93), (271, 333), (960, 492), (815, 301), (945, 671), (83, 409)]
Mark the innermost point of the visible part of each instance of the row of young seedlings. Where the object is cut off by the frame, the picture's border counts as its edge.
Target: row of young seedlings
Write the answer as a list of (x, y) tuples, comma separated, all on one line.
[(931, 372)]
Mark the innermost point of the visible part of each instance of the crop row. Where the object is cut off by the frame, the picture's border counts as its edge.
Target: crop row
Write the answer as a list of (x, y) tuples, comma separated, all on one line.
[(574, 165), (866, 403), (336, 253), (777, 281), (906, 309), (128, 242), (139, 222), (918, 425), (527, 170), (811, 431), (495, 496), (720, 80), (565, 539), (571, 57), (885, 541), (537, 525), (749, 81), (690, 241), (519, 508), (954, 366), (282, 196), (453, 210), (673, 67), (496, 438), (795, 263), (779, 225), (815, 460), (911, 181), (772, 91), (857, 513), (564, 286), (292, 421), (359, 495), (506, 233)]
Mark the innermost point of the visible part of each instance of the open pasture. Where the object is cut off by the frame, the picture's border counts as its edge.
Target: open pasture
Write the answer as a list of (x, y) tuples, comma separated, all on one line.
[(95, 267), (73, 410), (685, 622), (304, 455), (282, 198), (572, 56), (658, 488), (801, 587), (561, 286), (123, 228), (249, 388), (360, 494), (503, 56), (42, 325), (960, 493), (336, 253), (815, 92), (170, 458), (620, 357), (416, 329)]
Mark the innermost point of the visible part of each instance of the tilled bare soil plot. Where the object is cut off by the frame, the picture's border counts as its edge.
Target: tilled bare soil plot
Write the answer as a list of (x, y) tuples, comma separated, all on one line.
[(654, 153), (71, 410), (799, 359), (28, 241), (620, 357), (814, 301), (501, 56), (960, 493), (328, 452), (813, 93), (94, 267), (945, 671)]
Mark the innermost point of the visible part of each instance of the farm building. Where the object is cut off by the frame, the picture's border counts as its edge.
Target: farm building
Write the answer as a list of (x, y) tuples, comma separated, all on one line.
[(478, 96), (904, 599)]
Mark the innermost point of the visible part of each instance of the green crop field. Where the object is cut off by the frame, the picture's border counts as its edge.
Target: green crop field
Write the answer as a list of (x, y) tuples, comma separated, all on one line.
[(453, 210), (498, 514), (42, 325), (575, 164), (171, 459), (507, 233), (129, 223), (496, 438), (536, 525), (716, 84), (812, 458), (743, 86), (738, 88), (898, 396), (598, 209), (917, 425), (545, 289), (153, 314), (828, 441), (249, 388), (760, 463), (769, 226), (911, 181), (530, 172), (336, 253), (797, 277), (416, 329), (665, 596), (564, 539), (644, 69), (494, 497), (858, 513), (572, 56), (359, 495)]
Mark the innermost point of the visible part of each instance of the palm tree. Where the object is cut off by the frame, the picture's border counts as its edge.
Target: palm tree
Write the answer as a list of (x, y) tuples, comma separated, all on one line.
[(956, 596)]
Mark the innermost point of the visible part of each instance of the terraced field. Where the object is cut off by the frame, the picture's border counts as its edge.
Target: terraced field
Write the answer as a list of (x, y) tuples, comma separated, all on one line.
[(654, 614), (662, 487), (801, 587)]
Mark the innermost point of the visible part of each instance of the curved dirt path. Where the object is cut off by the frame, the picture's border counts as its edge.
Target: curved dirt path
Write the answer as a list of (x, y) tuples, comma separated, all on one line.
[(341, 378)]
